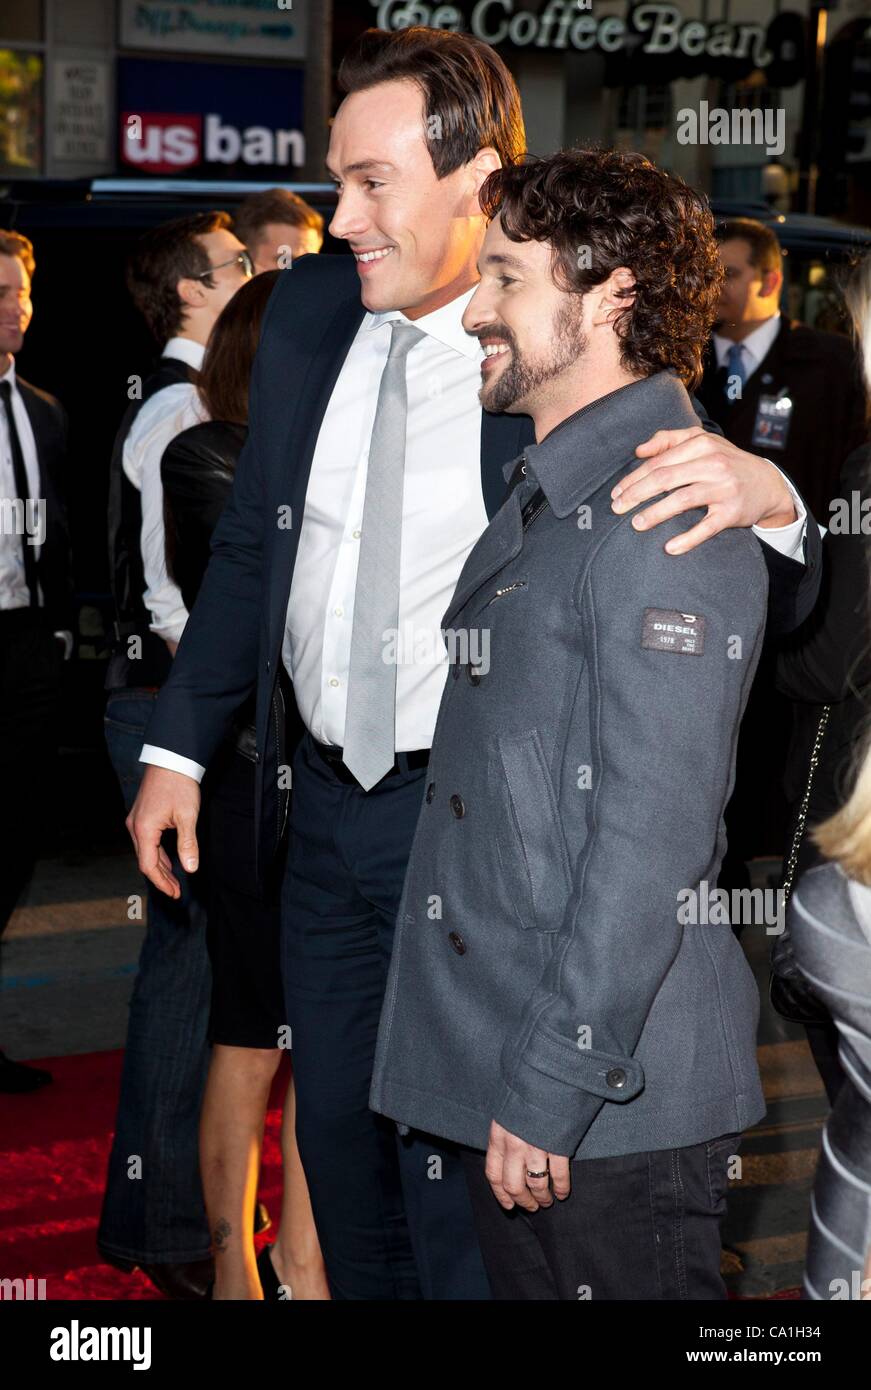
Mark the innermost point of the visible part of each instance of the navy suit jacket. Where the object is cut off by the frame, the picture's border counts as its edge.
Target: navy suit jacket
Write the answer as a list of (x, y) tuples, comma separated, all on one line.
[(233, 639)]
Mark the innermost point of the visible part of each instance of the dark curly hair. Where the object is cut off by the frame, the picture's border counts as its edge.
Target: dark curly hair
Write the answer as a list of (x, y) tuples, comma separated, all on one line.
[(618, 209)]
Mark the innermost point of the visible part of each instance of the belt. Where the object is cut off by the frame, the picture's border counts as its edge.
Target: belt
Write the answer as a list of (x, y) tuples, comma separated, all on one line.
[(403, 762)]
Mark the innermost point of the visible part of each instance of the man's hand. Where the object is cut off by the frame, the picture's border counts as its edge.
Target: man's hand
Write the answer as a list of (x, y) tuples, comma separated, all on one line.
[(700, 469), (509, 1162), (166, 801)]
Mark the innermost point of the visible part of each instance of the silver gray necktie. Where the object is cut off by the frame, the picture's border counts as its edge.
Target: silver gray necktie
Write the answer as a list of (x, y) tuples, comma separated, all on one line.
[(370, 720)]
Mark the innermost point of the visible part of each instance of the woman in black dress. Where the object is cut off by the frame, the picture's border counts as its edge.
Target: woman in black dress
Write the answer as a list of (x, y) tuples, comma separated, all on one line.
[(247, 1022)]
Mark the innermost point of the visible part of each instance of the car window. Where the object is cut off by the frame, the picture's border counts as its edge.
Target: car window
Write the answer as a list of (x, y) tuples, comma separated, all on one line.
[(812, 290)]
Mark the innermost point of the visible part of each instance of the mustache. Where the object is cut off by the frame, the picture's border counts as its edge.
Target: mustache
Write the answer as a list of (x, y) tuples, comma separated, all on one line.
[(497, 330)]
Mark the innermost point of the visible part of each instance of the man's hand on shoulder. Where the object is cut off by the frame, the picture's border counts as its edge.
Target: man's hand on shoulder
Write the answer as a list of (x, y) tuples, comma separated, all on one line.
[(696, 468), (166, 801)]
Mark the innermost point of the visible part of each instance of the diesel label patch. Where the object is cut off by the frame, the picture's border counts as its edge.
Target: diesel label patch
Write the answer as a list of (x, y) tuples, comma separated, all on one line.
[(668, 631)]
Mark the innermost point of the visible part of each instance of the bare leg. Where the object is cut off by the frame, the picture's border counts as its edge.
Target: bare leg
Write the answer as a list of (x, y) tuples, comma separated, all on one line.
[(296, 1253), (231, 1139)]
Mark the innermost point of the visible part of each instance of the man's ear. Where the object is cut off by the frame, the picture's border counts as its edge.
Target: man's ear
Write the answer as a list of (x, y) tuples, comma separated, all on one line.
[(483, 164), (612, 295), (190, 292), (772, 282)]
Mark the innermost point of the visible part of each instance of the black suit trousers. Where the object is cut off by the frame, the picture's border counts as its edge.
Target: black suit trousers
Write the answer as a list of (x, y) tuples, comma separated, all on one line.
[(31, 661)]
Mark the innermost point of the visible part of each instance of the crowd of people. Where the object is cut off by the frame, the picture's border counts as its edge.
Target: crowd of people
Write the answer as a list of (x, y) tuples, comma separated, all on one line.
[(445, 881)]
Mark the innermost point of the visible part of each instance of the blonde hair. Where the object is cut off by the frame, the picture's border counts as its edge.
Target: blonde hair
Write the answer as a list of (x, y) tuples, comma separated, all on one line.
[(846, 836)]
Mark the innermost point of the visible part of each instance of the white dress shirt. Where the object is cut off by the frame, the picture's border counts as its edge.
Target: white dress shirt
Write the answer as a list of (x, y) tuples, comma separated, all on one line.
[(161, 418), (755, 346), (14, 592), (443, 515)]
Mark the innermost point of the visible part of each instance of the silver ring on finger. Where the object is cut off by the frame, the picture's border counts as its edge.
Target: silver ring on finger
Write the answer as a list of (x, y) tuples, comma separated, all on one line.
[(530, 1174)]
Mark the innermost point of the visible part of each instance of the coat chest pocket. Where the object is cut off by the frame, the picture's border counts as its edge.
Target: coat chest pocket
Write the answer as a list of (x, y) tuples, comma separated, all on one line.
[(531, 838)]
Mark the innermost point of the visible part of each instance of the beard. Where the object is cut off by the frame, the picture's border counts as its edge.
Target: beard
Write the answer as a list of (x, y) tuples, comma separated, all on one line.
[(523, 376)]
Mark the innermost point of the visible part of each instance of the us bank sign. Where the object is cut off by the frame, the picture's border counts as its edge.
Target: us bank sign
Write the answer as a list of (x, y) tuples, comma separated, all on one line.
[(657, 29)]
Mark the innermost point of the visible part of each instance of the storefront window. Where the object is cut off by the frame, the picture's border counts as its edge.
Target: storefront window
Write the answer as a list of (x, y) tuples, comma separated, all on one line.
[(645, 107), (20, 112)]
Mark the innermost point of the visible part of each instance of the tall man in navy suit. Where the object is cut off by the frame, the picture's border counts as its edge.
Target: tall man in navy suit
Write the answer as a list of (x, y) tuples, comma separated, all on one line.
[(369, 473)]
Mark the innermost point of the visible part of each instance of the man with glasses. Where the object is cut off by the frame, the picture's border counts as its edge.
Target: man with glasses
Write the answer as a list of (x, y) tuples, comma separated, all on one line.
[(180, 276)]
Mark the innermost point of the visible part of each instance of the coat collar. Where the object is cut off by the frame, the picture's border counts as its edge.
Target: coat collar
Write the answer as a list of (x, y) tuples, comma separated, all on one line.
[(587, 448)]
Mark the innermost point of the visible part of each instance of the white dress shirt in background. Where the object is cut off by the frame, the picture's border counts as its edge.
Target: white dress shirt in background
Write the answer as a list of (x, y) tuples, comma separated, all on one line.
[(14, 592), (160, 419), (443, 515), (756, 345)]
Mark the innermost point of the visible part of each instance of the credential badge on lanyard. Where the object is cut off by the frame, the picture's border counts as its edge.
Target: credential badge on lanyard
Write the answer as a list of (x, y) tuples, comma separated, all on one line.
[(773, 416)]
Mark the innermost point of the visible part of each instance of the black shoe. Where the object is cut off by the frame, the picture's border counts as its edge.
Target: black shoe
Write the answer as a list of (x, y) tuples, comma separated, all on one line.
[(183, 1283), (17, 1077), (269, 1281)]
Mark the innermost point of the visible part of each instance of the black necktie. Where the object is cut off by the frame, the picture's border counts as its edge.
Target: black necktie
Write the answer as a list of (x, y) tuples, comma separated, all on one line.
[(20, 472)]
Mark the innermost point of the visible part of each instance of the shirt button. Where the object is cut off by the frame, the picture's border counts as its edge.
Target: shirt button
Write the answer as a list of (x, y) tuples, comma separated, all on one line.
[(356, 535), (333, 681), (339, 612), (267, 663), (616, 1077), (457, 942), (457, 806), (430, 792)]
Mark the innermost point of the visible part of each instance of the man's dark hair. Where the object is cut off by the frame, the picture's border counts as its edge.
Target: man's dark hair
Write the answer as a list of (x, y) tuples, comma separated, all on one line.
[(602, 209), (162, 257), (765, 252), (273, 205), (471, 101)]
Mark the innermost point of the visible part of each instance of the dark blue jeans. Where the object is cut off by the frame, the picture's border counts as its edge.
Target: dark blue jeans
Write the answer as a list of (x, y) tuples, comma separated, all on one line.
[(392, 1212), (153, 1211), (642, 1226)]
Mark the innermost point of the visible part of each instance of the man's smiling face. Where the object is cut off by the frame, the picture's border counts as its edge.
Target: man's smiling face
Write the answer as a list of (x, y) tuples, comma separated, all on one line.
[(415, 237), (530, 330)]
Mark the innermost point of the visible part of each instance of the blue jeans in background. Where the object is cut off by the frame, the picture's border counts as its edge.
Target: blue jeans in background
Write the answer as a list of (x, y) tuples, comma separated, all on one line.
[(159, 1217)]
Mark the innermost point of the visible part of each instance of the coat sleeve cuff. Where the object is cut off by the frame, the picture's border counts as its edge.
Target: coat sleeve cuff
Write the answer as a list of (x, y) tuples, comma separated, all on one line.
[(554, 1090)]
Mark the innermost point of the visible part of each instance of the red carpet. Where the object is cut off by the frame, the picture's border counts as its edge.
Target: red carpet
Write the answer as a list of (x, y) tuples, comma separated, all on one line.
[(54, 1145)]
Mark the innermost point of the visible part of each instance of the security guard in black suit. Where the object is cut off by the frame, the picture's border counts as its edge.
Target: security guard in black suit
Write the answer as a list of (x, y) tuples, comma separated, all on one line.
[(777, 388), (794, 395)]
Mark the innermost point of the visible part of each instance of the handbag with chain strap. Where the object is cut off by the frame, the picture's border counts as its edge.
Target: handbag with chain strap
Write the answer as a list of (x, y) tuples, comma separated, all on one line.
[(790, 994)]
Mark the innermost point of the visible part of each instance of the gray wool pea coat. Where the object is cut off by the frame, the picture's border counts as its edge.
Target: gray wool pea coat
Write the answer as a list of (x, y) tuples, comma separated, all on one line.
[(543, 971)]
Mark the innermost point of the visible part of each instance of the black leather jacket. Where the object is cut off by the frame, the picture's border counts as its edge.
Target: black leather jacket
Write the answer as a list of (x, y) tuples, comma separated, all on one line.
[(197, 472)]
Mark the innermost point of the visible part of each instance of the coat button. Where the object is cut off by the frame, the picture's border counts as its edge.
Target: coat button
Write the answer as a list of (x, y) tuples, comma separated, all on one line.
[(474, 674), (616, 1077), (430, 792), (457, 806), (457, 942)]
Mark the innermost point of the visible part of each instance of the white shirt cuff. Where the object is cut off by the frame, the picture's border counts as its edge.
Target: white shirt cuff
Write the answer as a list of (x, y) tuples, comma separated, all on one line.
[(788, 540), (163, 757)]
